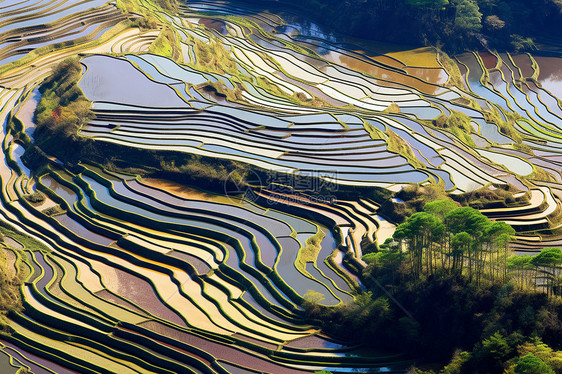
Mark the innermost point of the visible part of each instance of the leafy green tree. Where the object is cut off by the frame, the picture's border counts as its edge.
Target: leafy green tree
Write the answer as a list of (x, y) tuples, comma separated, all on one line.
[(468, 19), (521, 265), (419, 231), (440, 208), (548, 257), (474, 223), (542, 351), (546, 262), (494, 351), (494, 22), (457, 362), (531, 364), (466, 219), (497, 236), (383, 258), (460, 245), (496, 346)]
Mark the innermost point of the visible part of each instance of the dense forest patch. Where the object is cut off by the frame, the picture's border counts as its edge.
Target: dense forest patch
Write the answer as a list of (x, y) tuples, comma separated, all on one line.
[(445, 286)]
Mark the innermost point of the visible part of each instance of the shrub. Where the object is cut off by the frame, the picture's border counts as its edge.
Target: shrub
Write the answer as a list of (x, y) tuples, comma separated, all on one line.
[(53, 211), (35, 198), (531, 364)]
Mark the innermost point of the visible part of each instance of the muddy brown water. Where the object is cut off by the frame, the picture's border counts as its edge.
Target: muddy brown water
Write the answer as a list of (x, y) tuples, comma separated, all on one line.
[(550, 76)]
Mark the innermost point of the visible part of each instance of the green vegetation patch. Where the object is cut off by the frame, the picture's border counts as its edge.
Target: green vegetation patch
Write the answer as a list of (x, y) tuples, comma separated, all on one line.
[(456, 123), (28, 242), (414, 198), (444, 286), (63, 108), (505, 127), (17, 129), (213, 57), (398, 145), (167, 44), (219, 89), (142, 6), (54, 211), (394, 142), (35, 198), (492, 196), (10, 297), (452, 69), (393, 108), (310, 252)]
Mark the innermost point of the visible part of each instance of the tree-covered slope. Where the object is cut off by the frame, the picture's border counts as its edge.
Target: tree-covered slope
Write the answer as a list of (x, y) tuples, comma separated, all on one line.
[(452, 24)]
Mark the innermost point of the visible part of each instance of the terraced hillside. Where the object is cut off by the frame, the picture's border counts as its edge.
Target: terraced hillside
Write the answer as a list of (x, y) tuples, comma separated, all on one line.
[(122, 270)]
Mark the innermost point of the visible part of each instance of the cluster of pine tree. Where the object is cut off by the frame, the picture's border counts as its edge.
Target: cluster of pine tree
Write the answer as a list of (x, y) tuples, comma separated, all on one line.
[(447, 285), (452, 239)]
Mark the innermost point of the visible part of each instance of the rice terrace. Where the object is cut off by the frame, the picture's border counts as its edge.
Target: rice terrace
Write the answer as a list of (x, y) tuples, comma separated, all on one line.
[(281, 186)]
